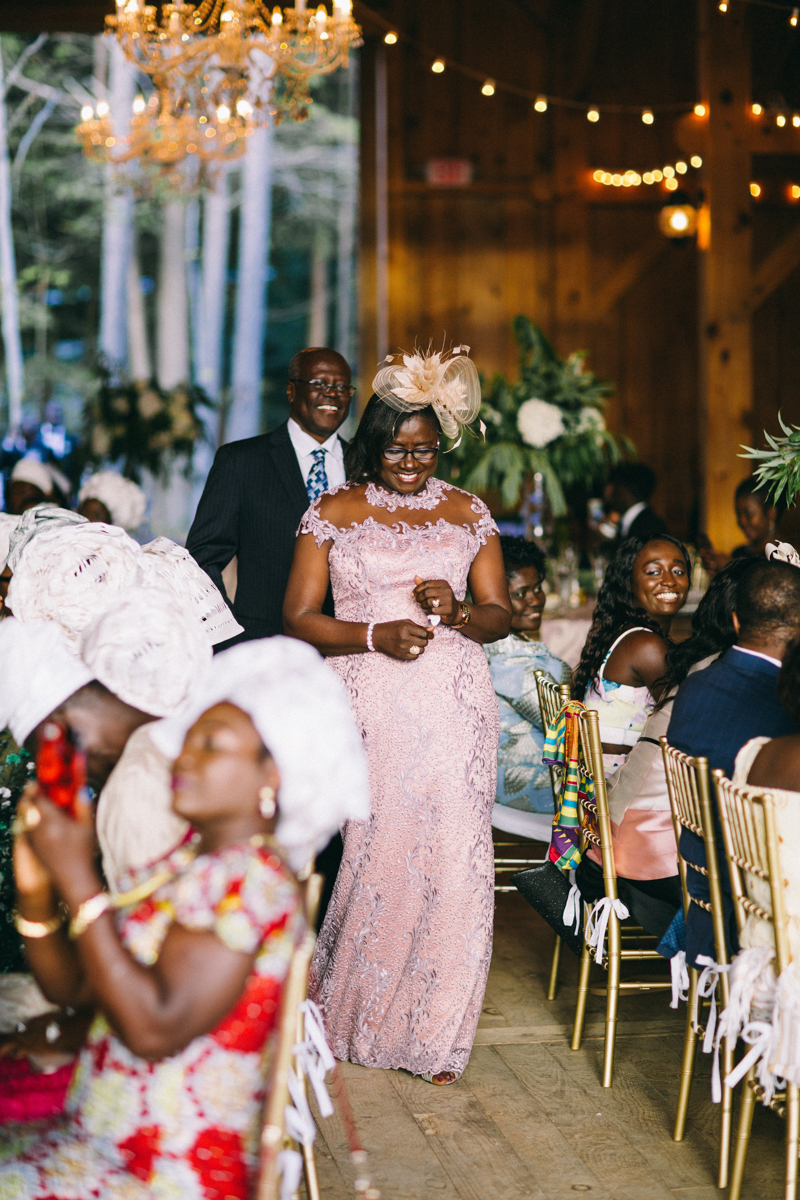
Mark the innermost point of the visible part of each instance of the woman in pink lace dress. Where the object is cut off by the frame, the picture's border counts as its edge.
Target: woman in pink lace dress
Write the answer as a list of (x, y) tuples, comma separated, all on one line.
[(401, 964)]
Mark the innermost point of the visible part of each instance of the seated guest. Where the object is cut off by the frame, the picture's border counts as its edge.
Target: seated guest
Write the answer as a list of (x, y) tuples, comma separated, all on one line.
[(107, 496), (33, 482), (7, 526), (187, 979), (755, 516), (625, 655), (523, 783), (627, 493), (645, 854), (735, 699)]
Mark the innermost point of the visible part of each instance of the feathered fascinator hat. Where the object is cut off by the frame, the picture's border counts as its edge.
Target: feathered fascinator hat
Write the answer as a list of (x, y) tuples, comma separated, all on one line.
[(448, 382), (782, 552)]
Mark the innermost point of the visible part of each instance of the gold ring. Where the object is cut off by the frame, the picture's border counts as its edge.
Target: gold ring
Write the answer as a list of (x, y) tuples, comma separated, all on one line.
[(436, 602), (414, 650)]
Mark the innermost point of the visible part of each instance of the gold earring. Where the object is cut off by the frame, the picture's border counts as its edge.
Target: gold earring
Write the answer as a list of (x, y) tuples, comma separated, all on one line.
[(266, 802)]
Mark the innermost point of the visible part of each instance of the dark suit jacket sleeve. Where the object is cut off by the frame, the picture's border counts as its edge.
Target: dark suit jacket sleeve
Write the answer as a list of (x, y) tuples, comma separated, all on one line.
[(214, 536)]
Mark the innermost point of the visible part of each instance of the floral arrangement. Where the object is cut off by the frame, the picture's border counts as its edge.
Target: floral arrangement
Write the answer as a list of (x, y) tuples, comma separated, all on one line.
[(779, 468), (550, 421), (142, 426)]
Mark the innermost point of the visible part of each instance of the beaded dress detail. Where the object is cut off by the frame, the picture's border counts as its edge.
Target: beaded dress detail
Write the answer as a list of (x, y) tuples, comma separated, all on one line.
[(401, 963)]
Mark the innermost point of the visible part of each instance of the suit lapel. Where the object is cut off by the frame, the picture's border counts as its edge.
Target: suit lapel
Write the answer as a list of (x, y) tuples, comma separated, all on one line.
[(287, 468)]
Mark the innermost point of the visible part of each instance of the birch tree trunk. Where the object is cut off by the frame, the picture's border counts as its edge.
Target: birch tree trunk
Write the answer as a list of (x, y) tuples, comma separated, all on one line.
[(318, 309), (244, 417), (172, 341), (117, 221), (12, 342), (140, 362)]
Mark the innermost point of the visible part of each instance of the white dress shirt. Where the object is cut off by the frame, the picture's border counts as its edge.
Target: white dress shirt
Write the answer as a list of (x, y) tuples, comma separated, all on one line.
[(630, 516), (304, 447)]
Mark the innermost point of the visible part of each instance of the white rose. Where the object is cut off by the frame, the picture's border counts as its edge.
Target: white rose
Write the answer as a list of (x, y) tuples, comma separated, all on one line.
[(539, 423), (590, 420)]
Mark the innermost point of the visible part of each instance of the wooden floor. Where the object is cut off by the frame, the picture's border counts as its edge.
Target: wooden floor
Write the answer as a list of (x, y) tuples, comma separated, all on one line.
[(529, 1120)]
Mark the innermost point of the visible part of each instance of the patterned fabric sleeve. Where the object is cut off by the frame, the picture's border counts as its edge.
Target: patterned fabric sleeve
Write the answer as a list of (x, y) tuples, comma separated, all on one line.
[(241, 894)]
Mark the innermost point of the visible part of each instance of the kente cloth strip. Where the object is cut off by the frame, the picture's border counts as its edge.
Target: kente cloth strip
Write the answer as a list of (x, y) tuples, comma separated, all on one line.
[(562, 749)]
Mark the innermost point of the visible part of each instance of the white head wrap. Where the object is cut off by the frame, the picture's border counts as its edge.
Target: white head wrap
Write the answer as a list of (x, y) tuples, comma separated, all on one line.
[(302, 713), (7, 526), (168, 565), (41, 475), (148, 649), (35, 521), (70, 575), (124, 499), (38, 674), (448, 381)]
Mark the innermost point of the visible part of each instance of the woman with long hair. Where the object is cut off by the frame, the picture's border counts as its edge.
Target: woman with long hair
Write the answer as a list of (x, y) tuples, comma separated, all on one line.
[(645, 854), (625, 655), (402, 959)]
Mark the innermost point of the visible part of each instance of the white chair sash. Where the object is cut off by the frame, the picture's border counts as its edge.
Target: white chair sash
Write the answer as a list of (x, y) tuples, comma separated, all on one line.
[(572, 909), (679, 978), (597, 924)]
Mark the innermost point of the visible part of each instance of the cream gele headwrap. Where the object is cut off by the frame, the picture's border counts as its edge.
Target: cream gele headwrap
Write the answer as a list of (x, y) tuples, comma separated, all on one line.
[(167, 565), (41, 475), (7, 526), (70, 575), (39, 672), (35, 521), (302, 713), (124, 499), (148, 649), (448, 382)]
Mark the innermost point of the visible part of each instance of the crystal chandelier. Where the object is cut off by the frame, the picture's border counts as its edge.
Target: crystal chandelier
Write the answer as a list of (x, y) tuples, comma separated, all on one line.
[(219, 69)]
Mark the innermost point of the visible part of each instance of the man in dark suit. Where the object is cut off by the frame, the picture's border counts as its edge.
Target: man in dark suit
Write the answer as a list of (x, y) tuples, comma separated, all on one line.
[(629, 488), (735, 699), (259, 488)]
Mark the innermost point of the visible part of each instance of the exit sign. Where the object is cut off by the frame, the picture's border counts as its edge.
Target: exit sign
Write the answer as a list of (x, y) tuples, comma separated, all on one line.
[(448, 172)]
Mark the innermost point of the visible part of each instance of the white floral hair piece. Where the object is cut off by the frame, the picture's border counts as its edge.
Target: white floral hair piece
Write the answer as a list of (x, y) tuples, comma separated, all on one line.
[(782, 552), (124, 499), (448, 382)]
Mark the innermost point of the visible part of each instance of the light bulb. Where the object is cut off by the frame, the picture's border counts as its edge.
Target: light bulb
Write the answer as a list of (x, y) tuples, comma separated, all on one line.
[(796, 121), (699, 110), (139, 105), (598, 176), (102, 109), (756, 110), (681, 168), (540, 104), (795, 17), (780, 120), (755, 189), (437, 67), (606, 178), (390, 38), (87, 112), (593, 115), (723, 5), (648, 177), (616, 180), (679, 220), (669, 172), (227, 15), (243, 108), (647, 117), (658, 176), (223, 114), (671, 185), (794, 192), (696, 160), (488, 88), (342, 8), (277, 18)]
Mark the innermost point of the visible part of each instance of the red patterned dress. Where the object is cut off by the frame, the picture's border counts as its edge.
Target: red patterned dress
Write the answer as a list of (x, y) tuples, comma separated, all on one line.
[(184, 1128)]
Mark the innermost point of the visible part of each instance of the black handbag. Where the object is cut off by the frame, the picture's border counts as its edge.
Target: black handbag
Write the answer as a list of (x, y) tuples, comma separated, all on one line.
[(546, 889)]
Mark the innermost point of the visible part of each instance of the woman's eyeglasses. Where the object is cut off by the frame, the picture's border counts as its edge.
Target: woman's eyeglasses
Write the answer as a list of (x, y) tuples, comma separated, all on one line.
[(422, 454), (342, 390)]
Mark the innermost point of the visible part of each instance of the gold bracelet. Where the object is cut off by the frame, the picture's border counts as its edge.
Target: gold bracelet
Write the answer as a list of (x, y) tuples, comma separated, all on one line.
[(88, 912), (464, 615), (37, 929)]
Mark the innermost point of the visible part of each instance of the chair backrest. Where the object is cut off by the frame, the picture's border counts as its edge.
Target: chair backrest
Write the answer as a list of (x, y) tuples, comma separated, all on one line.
[(752, 848), (599, 836), (552, 697), (293, 993), (689, 788)]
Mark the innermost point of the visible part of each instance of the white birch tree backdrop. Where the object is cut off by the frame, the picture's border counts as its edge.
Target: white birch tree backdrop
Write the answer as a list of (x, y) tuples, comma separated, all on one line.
[(216, 287)]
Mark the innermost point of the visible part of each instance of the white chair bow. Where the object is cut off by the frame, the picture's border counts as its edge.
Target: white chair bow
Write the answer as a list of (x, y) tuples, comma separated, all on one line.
[(679, 977), (598, 923)]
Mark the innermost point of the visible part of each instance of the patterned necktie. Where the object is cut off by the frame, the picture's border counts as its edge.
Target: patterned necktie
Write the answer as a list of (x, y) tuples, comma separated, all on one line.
[(317, 481)]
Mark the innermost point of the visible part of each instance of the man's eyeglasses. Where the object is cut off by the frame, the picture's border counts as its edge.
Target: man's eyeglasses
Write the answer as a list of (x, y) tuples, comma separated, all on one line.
[(423, 454), (319, 385)]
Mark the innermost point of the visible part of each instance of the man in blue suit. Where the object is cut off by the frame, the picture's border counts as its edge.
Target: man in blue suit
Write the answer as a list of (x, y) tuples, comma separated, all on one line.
[(719, 709)]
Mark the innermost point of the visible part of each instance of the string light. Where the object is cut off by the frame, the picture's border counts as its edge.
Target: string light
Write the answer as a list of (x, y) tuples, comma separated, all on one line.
[(488, 88), (755, 190), (681, 168), (780, 120), (668, 171), (756, 110), (696, 160), (634, 179), (437, 67), (723, 5), (796, 121), (671, 185), (541, 104), (593, 115), (793, 19), (390, 38), (699, 110), (794, 191), (647, 117)]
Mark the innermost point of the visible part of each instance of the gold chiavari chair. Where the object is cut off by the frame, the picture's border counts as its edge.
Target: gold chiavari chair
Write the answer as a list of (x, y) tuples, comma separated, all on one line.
[(597, 833), (273, 1132), (752, 849), (689, 787)]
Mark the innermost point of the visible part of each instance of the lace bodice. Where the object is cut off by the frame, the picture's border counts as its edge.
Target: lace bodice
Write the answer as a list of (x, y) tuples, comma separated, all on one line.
[(373, 564)]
